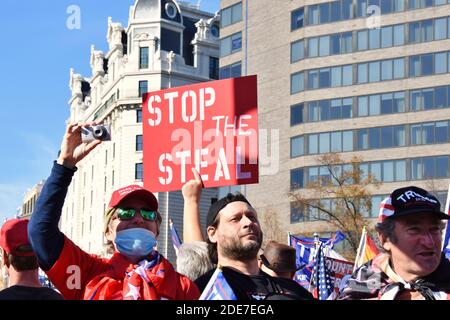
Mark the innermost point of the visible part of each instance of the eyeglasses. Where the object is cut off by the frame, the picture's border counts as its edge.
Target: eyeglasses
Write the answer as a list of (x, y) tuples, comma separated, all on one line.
[(128, 214)]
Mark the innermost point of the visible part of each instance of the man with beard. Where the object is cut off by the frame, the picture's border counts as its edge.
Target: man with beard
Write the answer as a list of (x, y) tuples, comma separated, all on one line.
[(234, 239)]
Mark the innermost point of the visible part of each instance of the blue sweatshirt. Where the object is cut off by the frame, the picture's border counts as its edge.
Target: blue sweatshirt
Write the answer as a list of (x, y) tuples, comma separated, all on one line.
[(43, 232)]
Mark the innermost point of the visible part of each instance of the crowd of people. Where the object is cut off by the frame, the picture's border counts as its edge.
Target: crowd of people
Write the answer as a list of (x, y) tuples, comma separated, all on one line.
[(409, 228)]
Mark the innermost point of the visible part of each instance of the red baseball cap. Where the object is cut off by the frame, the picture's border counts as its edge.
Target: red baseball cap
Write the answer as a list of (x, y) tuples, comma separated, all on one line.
[(13, 235), (135, 191)]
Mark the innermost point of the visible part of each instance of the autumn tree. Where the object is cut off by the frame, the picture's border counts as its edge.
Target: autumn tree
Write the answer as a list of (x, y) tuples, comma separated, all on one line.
[(340, 195), (271, 228)]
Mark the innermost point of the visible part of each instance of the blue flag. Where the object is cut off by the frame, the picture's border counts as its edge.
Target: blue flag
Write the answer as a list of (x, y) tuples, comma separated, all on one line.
[(218, 288), (176, 241)]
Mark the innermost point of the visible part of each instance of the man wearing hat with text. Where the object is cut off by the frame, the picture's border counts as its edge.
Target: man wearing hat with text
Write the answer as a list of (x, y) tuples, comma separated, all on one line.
[(136, 271), (412, 267)]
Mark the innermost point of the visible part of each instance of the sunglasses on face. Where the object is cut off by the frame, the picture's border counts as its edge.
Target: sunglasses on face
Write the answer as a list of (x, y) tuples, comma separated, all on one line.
[(128, 214)]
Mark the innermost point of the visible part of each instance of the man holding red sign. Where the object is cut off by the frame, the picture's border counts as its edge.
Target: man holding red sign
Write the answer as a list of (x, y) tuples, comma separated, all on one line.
[(211, 126)]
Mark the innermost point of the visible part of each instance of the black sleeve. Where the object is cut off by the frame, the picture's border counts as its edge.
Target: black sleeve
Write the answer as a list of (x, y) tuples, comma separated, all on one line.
[(45, 237)]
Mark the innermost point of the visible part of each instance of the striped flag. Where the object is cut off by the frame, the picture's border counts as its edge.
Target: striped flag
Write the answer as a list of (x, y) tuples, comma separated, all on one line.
[(367, 250), (324, 286), (176, 241), (218, 288)]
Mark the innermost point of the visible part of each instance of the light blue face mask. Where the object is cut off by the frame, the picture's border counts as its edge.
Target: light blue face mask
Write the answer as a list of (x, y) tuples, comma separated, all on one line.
[(135, 242)]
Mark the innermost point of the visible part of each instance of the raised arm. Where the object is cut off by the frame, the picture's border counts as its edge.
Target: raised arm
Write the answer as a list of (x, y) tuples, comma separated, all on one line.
[(45, 236), (192, 192)]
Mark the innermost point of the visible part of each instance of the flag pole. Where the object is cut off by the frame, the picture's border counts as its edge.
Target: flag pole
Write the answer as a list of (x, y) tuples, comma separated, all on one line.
[(359, 251)]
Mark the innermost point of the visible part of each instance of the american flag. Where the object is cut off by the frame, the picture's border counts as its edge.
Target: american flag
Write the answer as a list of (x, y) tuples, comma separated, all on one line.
[(322, 278), (218, 288), (176, 241)]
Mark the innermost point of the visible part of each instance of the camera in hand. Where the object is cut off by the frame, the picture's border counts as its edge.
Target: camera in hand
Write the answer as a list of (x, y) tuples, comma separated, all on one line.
[(98, 132)]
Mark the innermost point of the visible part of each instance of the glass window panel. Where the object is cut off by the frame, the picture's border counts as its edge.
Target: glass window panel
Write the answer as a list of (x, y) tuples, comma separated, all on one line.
[(363, 106), (427, 30), (448, 26), (347, 75), (297, 18), (313, 174), (296, 179), (336, 107), (362, 40), (324, 12), (347, 138), (313, 79), (386, 103), (440, 29), (441, 131), (374, 138), (347, 45), (236, 70), (440, 62), (324, 78), (386, 70), (400, 170), (336, 141), (363, 139), (225, 46), (347, 106), (297, 51), (375, 170), (335, 11), (387, 137), (225, 73), (374, 38), (428, 168), (297, 114), (399, 5), (439, 2), (414, 4), (414, 32), (427, 64), (386, 6), (297, 82), (386, 37), (374, 71), (364, 169), (428, 133), (361, 8), (399, 68), (440, 97), (297, 146), (313, 15), (336, 77), (375, 206), (237, 12), (388, 171), (313, 47), (336, 43), (362, 73), (399, 35), (427, 96), (225, 17), (236, 42), (313, 143), (324, 142), (416, 169), (414, 66), (374, 106), (441, 167), (324, 106), (399, 136), (416, 100), (399, 102), (347, 9), (324, 46), (313, 111), (416, 134)]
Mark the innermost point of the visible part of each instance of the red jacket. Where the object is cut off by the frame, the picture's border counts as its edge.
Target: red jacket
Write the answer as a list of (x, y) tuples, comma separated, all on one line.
[(77, 274)]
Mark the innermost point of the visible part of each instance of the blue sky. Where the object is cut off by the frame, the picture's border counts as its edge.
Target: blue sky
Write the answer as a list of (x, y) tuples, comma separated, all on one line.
[(37, 52)]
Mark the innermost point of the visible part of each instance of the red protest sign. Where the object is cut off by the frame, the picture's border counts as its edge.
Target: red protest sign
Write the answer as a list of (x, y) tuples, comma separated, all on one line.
[(211, 126)]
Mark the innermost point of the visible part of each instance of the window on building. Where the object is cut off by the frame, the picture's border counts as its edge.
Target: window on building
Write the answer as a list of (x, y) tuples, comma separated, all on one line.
[(214, 68), (362, 40), (313, 15), (139, 144), (440, 60), (231, 44), (374, 38), (297, 51), (297, 19), (143, 88), (399, 35), (362, 73), (347, 75), (335, 44), (347, 9), (297, 82), (313, 79), (231, 71), (297, 146), (374, 71), (399, 68), (139, 116), (335, 11), (313, 47), (297, 179), (440, 29), (324, 46), (324, 12), (347, 43), (143, 58), (231, 14), (297, 114), (386, 37), (139, 171)]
